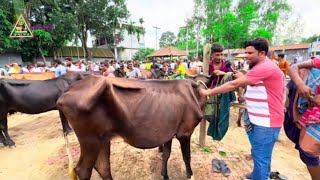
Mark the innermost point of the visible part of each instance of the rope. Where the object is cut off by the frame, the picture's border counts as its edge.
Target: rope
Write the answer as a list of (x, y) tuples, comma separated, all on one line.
[(201, 82)]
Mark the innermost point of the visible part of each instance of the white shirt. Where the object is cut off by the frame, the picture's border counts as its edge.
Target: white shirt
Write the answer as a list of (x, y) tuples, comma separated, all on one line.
[(193, 65), (173, 65), (111, 69), (185, 65), (83, 67), (73, 68), (96, 68), (25, 69), (36, 69)]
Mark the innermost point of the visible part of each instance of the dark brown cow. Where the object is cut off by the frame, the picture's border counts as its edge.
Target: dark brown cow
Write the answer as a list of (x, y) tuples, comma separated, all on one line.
[(145, 113)]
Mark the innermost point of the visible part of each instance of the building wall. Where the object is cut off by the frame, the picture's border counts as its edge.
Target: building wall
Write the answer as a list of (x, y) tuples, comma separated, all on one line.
[(301, 54), (9, 58), (126, 54)]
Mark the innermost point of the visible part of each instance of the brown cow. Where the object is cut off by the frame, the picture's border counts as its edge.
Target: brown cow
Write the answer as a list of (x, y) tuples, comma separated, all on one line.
[(146, 114)]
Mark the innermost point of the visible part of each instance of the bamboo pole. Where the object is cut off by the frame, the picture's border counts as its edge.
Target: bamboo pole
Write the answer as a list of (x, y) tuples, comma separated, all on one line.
[(206, 59)]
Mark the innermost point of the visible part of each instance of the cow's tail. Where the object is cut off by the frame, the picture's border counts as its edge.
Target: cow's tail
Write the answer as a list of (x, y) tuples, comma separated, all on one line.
[(71, 172)]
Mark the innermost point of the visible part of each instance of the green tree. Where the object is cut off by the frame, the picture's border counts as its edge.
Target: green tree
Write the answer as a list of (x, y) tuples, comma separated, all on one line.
[(6, 21), (232, 25), (142, 54), (310, 39), (100, 17), (167, 39), (38, 12)]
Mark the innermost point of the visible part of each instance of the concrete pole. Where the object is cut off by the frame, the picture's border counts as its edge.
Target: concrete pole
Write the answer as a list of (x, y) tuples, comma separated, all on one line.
[(156, 27)]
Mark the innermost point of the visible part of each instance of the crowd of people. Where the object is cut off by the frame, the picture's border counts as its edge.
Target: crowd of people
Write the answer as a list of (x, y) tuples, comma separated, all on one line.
[(131, 69)]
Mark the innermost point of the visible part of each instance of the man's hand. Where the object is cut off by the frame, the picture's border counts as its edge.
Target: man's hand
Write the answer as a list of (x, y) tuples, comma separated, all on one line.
[(204, 92), (219, 73), (316, 100), (305, 91), (237, 74)]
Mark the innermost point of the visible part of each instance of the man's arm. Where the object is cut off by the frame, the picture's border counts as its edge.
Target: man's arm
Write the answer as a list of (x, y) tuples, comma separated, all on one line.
[(227, 87), (303, 89), (138, 73)]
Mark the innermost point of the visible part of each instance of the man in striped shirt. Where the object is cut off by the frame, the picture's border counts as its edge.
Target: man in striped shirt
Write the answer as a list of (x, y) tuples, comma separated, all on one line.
[(264, 99)]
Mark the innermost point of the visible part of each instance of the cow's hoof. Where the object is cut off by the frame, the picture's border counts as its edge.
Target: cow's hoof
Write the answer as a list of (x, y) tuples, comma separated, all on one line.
[(192, 178), (165, 177), (11, 144)]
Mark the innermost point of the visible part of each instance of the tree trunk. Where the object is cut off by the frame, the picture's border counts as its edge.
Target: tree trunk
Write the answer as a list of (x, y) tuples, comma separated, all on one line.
[(84, 43), (54, 54), (43, 58)]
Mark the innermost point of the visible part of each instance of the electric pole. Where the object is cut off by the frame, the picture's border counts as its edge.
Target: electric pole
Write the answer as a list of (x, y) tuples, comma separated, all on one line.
[(156, 36)]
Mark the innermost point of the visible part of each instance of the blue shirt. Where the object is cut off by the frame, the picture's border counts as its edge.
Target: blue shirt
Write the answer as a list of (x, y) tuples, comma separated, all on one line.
[(5, 72), (60, 70)]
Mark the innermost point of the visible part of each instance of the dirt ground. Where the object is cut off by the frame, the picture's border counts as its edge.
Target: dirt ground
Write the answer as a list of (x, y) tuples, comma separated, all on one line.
[(40, 154)]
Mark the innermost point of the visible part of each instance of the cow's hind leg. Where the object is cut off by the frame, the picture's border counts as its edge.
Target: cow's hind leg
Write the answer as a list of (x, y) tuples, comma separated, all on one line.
[(185, 149), (160, 148), (65, 125), (90, 148), (3, 139), (102, 165), (4, 129), (165, 156), (239, 117)]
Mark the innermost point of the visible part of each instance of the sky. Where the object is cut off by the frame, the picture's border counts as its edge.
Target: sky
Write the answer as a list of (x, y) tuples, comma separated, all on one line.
[(169, 15)]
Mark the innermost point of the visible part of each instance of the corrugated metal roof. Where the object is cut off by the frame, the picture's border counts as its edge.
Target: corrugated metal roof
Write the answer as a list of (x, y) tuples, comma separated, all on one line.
[(291, 47), (68, 51)]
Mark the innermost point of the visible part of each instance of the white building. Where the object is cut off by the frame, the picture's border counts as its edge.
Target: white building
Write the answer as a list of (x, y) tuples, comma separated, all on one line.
[(126, 48)]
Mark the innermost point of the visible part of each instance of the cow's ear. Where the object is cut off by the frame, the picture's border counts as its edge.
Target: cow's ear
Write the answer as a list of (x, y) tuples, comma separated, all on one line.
[(95, 86)]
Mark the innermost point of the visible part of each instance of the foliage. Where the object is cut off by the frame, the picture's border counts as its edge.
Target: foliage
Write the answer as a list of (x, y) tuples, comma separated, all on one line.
[(289, 30), (167, 39), (100, 17), (134, 29), (231, 22), (142, 54), (311, 39), (6, 19), (39, 12), (73, 19)]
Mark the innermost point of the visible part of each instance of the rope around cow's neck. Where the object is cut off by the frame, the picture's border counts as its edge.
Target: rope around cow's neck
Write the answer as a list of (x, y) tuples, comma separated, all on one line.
[(201, 82)]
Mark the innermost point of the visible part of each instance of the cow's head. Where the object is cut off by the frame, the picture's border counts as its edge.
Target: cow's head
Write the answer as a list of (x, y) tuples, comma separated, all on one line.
[(201, 80), (72, 77)]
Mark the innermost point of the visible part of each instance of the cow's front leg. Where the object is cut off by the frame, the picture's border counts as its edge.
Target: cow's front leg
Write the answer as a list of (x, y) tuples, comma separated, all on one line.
[(102, 165), (165, 156), (90, 148), (4, 129)]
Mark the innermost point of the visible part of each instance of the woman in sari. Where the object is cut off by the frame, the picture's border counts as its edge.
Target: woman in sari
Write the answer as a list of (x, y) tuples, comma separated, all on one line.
[(307, 91)]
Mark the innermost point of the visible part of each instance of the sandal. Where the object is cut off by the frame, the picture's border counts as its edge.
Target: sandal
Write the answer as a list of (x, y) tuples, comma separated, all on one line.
[(276, 175), (216, 165), (224, 169)]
